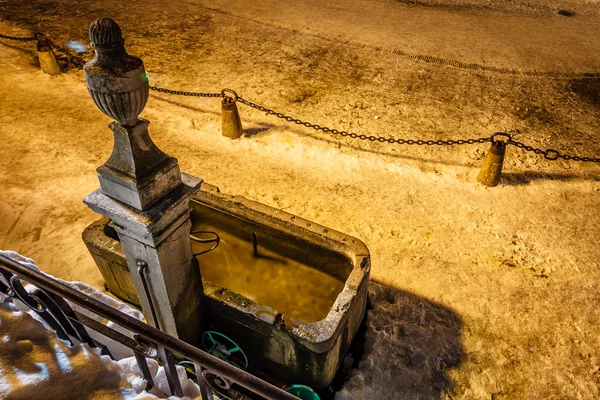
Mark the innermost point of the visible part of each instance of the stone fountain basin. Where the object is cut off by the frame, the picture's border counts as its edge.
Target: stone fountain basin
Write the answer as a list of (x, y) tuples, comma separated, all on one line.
[(289, 292)]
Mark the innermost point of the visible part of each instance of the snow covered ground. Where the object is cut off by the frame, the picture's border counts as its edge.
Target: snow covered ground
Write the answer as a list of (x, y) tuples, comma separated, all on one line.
[(517, 263), (35, 364)]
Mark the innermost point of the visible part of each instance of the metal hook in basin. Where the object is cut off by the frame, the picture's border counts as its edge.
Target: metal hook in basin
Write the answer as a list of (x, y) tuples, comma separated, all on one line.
[(216, 240)]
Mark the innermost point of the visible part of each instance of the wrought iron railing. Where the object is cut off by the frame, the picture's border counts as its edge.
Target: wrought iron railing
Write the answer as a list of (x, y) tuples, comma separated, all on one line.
[(48, 298)]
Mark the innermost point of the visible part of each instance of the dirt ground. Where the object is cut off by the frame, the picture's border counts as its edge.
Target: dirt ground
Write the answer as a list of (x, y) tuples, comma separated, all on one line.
[(517, 264)]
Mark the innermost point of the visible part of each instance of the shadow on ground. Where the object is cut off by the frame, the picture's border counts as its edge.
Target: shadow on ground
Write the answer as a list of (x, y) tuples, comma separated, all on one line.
[(588, 89), (183, 105), (408, 344), (523, 178), (19, 47)]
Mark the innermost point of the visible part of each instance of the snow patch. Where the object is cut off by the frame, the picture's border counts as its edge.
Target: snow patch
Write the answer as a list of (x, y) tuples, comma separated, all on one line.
[(35, 364)]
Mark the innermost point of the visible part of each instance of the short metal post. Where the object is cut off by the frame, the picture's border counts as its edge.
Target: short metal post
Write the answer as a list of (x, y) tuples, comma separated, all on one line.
[(230, 117), (491, 170), (46, 57)]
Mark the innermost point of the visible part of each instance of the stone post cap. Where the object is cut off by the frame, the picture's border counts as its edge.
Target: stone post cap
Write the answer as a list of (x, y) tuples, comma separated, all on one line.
[(116, 80), (105, 33)]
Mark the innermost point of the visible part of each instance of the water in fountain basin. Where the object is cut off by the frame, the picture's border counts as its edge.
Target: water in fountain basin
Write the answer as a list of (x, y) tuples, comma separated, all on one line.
[(235, 276), (284, 284)]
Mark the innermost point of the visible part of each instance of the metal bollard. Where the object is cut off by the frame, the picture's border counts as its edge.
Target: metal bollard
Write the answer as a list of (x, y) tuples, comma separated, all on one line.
[(230, 116), (491, 170), (46, 58)]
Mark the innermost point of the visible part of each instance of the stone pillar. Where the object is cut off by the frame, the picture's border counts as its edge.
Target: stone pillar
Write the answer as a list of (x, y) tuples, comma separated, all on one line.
[(143, 192)]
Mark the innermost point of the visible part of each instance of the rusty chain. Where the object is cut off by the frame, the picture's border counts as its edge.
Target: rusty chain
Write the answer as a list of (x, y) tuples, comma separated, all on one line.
[(182, 93), (72, 57), (18, 38), (353, 135), (549, 154)]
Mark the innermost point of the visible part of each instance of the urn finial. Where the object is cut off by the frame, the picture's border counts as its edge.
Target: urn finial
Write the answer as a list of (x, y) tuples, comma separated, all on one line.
[(116, 80), (105, 33)]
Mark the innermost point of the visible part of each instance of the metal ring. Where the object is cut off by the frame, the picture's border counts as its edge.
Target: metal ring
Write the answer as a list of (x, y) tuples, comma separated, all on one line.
[(506, 135), (40, 36), (235, 95), (212, 344)]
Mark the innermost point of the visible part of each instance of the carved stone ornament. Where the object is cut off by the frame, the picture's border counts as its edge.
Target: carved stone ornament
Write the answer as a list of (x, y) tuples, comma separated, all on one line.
[(137, 173), (116, 80)]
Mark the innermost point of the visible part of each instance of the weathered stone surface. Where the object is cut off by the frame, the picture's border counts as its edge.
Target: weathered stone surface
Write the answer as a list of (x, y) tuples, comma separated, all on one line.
[(174, 282), (409, 344), (143, 194), (137, 173), (116, 81), (108, 255), (159, 237), (281, 347), (151, 226)]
